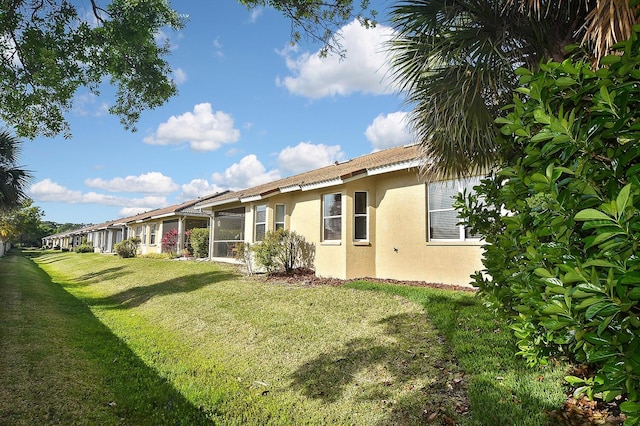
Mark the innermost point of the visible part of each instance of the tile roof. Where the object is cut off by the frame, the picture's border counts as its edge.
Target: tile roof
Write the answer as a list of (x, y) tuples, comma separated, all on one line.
[(366, 165)]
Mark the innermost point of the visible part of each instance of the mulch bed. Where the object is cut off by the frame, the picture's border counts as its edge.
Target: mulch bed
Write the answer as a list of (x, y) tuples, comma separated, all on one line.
[(306, 277)]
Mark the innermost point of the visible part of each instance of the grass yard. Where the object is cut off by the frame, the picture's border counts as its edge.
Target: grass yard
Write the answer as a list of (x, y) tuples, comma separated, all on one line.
[(94, 339)]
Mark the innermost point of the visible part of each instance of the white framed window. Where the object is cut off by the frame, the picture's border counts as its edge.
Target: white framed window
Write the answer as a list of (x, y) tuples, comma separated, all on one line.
[(260, 222), (281, 210), (144, 234), (152, 234), (361, 216), (332, 217), (443, 218), (139, 233)]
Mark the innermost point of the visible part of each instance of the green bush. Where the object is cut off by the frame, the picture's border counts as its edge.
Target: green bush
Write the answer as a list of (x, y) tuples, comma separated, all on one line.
[(199, 242), (561, 220), (84, 248), (127, 248), (284, 250)]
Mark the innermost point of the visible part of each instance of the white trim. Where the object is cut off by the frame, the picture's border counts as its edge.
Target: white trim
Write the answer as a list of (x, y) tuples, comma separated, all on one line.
[(322, 184), (290, 188), (216, 203), (394, 167), (250, 198)]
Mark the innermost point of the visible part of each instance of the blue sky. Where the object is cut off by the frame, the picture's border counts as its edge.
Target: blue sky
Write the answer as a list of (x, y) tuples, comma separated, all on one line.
[(250, 109)]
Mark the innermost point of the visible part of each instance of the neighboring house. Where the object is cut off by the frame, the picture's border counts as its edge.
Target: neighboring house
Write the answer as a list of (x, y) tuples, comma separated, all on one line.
[(152, 226), (372, 216), (103, 236), (63, 240)]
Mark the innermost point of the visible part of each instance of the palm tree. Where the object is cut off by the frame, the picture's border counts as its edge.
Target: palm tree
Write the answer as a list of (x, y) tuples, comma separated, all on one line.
[(455, 59), (606, 23), (13, 179)]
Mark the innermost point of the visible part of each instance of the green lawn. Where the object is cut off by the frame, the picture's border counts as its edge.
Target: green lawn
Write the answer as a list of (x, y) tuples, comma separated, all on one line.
[(94, 339)]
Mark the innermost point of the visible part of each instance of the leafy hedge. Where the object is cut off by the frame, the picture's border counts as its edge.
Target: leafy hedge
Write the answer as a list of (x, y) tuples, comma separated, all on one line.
[(561, 220), (127, 248), (284, 250), (199, 238)]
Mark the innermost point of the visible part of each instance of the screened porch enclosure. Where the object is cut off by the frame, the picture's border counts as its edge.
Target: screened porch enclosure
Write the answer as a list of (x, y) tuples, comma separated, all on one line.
[(228, 231)]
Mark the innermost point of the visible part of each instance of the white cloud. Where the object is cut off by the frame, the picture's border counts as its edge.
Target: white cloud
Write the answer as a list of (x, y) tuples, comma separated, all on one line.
[(365, 68), (151, 183), (247, 173), (179, 76), (86, 104), (199, 188), (389, 130), (204, 129), (47, 190), (133, 211), (217, 48), (306, 156), (255, 14)]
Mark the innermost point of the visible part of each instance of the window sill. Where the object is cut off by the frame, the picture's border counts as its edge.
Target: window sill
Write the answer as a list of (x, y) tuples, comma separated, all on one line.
[(455, 243), (331, 243), (362, 243)]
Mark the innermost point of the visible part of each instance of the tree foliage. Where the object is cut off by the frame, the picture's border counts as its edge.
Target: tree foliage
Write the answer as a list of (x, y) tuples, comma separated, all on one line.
[(561, 220), (13, 178), (53, 48), (454, 62), (320, 20), (23, 225)]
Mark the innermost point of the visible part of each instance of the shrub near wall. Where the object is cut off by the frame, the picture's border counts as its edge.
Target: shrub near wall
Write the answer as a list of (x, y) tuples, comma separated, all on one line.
[(562, 263), (199, 242), (127, 248)]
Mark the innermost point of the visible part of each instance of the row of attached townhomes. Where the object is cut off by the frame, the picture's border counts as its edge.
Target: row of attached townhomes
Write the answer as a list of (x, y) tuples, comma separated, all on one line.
[(372, 216)]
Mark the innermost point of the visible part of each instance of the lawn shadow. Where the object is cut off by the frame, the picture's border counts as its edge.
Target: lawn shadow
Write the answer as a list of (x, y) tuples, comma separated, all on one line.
[(103, 275), (136, 296), (76, 370), (409, 377), (502, 388)]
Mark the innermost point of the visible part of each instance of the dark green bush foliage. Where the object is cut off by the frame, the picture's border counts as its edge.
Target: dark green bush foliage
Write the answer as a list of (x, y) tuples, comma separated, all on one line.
[(284, 250), (560, 216), (84, 248), (127, 248), (199, 242)]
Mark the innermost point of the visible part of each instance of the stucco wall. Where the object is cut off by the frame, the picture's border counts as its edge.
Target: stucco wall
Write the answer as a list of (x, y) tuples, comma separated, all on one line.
[(403, 251), (397, 247)]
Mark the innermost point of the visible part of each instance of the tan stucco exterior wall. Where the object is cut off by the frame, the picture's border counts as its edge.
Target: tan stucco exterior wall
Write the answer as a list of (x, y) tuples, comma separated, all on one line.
[(403, 251), (397, 247)]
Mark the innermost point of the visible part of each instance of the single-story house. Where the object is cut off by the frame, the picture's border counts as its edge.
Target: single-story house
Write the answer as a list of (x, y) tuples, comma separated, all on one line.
[(152, 226), (372, 216), (104, 236)]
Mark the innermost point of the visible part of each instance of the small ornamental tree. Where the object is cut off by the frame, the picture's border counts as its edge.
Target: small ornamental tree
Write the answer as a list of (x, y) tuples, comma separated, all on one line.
[(561, 219), (170, 242)]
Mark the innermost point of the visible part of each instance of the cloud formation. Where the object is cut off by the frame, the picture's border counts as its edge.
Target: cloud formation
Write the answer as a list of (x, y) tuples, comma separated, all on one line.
[(389, 130), (246, 173), (179, 76), (47, 190), (150, 183), (306, 156), (203, 129), (199, 188), (365, 68)]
